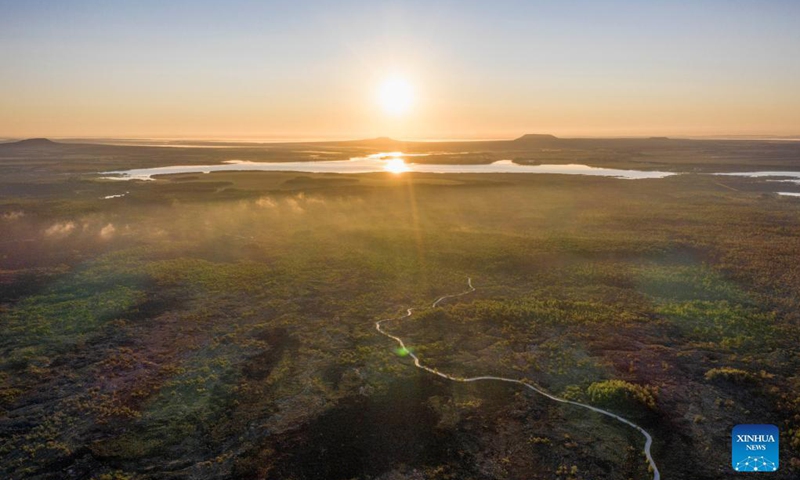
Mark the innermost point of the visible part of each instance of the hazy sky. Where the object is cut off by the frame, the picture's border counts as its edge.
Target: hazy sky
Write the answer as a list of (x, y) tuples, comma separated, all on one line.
[(478, 69)]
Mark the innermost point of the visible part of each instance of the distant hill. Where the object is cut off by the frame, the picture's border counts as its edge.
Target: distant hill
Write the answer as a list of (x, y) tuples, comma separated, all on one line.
[(32, 142), (535, 137), (387, 143)]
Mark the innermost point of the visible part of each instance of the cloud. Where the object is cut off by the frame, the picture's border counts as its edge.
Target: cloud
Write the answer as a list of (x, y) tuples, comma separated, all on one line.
[(60, 229), (314, 200), (107, 231), (294, 205), (266, 202), (11, 216)]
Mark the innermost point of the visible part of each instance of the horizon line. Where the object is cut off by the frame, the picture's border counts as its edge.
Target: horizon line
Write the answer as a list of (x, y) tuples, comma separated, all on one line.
[(341, 138)]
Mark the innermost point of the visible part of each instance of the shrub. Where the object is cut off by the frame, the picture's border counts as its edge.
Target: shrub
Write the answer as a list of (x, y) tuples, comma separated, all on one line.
[(729, 374), (620, 392)]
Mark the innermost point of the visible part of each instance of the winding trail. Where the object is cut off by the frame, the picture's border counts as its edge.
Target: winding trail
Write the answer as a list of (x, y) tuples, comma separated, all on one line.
[(378, 326)]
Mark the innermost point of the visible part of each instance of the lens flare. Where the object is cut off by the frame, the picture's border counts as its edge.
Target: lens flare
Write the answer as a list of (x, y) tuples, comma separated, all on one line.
[(396, 166)]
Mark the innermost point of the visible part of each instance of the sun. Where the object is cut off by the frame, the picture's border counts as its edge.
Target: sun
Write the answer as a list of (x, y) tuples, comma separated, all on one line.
[(396, 96), (396, 166)]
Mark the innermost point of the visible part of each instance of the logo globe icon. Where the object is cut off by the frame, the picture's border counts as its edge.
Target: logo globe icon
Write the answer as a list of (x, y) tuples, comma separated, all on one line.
[(756, 464)]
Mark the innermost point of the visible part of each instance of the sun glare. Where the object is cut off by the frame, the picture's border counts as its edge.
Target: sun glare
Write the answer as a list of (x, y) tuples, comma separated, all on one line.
[(396, 166), (396, 96)]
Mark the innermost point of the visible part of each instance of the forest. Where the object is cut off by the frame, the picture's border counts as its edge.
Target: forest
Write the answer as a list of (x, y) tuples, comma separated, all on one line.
[(222, 325)]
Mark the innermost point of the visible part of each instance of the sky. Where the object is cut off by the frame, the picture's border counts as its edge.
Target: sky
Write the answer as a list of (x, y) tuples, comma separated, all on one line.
[(312, 70)]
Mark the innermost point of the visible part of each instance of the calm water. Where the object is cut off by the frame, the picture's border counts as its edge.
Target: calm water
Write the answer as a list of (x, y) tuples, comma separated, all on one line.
[(773, 176), (791, 177), (383, 162)]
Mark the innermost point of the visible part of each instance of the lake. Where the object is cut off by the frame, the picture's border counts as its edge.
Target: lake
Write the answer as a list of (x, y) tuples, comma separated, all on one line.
[(393, 162)]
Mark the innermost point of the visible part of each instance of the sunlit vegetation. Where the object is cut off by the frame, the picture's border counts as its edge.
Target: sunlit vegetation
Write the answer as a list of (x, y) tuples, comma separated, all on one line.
[(619, 393), (730, 374), (224, 327)]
